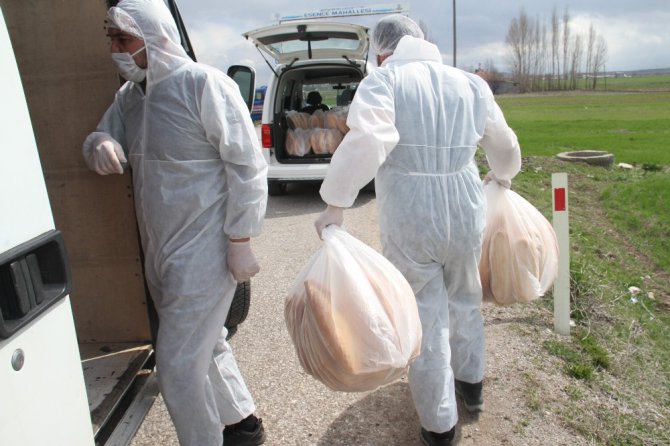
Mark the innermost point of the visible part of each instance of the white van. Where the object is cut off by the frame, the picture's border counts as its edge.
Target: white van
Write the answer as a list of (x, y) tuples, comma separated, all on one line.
[(39, 358), (77, 326), (311, 56)]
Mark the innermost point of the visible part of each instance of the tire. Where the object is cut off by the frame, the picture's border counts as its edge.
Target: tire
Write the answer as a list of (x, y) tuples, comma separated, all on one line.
[(231, 332), (370, 187), (276, 188), (239, 307)]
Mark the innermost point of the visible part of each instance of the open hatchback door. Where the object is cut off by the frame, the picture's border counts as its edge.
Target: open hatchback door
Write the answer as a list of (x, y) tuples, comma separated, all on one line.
[(290, 42)]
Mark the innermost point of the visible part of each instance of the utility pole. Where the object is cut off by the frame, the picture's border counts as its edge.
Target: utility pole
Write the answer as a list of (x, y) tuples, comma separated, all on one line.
[(454, 26)]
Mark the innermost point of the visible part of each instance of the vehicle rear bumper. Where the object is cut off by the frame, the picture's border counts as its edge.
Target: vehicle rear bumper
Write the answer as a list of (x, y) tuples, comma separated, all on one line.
[(297, 172)]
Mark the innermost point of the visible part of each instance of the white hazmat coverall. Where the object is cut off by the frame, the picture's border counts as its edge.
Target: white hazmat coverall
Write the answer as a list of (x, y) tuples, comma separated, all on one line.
[(415, 124), (199, 179)]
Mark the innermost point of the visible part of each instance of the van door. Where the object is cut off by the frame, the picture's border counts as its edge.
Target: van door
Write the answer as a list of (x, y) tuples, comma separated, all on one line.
[(107, 307), (303, 40), (41, 382), (245, 78)]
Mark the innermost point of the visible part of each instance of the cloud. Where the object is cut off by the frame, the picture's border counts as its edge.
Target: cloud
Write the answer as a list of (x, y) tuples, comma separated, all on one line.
[(221, 46), (480, 55), (636, 33), (635, 40)]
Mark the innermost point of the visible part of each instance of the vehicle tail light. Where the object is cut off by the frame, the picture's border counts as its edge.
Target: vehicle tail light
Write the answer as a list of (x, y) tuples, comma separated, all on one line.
[(266, 136)]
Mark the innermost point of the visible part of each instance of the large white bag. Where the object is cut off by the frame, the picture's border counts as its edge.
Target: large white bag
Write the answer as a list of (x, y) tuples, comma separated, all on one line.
[(520, 253), (352, 316)]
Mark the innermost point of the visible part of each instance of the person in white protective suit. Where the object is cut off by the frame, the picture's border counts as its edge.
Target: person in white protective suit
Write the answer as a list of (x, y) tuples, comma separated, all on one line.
[(415, 127), (200, 190)]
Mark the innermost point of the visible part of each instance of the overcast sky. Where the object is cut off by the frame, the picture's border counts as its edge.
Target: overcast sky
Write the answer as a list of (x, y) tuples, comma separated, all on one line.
[(637, 32)]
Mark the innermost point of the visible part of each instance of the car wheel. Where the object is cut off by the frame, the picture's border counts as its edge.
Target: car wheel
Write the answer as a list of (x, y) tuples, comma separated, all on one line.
[(276, 188), (239, 307)]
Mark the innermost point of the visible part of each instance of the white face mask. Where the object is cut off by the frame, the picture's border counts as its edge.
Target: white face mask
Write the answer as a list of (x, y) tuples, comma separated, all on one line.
[(127, 67)]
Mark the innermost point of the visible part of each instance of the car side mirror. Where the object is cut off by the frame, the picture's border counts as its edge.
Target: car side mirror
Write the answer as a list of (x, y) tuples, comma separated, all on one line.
[(245, 78)]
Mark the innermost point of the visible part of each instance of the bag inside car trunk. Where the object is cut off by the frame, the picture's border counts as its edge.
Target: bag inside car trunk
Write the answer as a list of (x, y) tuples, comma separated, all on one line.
[(304, 137)]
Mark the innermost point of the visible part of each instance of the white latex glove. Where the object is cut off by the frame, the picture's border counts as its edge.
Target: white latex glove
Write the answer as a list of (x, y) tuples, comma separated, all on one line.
[(241, 260), (331, 216), (106, 157), (490, 176)]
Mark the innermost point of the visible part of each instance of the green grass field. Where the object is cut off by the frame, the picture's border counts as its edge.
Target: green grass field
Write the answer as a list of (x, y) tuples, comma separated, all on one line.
[(635, 127), (619, 237), (635, 83)]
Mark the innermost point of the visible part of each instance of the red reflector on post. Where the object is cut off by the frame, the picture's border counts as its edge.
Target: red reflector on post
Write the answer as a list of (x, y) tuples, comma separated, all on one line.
[(266, 136), (559, 199)]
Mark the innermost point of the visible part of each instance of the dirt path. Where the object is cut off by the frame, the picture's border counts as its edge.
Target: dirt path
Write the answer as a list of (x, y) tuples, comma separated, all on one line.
[(523, 386)]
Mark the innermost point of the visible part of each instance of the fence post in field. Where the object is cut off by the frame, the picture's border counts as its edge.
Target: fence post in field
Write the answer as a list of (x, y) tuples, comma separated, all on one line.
[(559, 182)]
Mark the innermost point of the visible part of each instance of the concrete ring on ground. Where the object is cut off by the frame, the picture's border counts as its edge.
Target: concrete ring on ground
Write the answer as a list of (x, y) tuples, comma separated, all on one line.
[(594, 157)]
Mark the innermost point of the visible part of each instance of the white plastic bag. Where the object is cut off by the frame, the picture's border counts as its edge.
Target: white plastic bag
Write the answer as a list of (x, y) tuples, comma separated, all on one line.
[(297, 141), (352, 316), (520, 253)]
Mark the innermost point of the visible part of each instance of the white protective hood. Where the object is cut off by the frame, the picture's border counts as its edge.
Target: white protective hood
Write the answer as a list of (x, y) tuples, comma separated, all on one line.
[(151, 21)]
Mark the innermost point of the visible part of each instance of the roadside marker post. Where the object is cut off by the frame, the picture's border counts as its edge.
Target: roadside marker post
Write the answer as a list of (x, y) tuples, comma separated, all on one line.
[(559, 182)]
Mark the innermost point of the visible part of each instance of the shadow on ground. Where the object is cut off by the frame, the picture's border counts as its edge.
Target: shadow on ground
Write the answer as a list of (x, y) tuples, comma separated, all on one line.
[(386, 417)]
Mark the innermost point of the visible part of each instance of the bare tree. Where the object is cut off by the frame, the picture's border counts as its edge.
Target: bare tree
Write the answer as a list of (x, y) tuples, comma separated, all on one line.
[(534, 55), (576, 61), (539, 61), (543, 57), (599, 58), (519, 38), (555, 60), (514, 41), (590, 45), (566, 45)]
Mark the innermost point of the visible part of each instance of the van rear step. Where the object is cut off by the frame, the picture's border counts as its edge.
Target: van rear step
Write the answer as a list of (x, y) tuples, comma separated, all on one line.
[(110, 371), (125, 430)]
